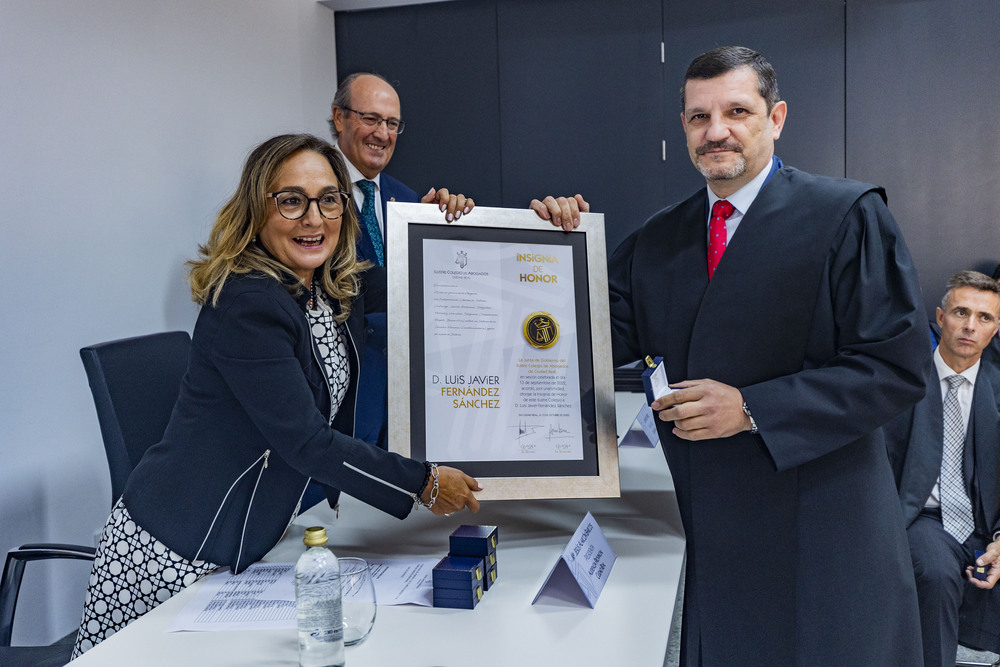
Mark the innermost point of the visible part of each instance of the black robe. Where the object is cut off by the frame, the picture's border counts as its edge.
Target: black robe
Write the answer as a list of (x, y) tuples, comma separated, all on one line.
[(796, 552)]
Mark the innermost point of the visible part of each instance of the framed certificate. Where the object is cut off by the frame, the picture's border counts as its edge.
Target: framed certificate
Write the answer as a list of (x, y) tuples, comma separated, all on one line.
[(500, 350)]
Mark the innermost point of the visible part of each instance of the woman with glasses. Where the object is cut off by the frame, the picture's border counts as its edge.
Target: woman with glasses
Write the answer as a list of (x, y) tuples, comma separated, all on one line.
[(268, 399)]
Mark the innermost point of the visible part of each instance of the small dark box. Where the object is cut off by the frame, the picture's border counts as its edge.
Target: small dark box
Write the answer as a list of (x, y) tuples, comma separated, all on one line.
[(476, 541), (458, 599), (458, 573), (490, 578), (647, 378), (979, 571)]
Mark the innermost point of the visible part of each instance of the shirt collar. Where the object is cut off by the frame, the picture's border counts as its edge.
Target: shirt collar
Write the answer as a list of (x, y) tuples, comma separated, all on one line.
[(742, 198), (357, 175), (944, 370)]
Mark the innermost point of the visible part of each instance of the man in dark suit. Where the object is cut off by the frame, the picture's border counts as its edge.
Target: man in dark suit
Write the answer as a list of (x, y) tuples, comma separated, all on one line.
[(365, 122), (945, 454), (787, 307)]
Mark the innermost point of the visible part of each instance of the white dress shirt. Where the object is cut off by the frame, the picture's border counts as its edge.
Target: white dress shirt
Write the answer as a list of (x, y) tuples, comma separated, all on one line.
[(741, 200), (359, 196)]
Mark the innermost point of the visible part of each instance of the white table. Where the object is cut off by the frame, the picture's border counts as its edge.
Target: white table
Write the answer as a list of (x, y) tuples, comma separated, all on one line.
[(629, 625)]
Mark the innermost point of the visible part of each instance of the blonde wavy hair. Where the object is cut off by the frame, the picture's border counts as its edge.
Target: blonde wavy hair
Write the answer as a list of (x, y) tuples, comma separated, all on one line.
[(232, 247)]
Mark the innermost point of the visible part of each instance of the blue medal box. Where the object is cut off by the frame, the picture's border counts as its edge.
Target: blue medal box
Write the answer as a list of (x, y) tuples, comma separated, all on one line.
[(458, 582)]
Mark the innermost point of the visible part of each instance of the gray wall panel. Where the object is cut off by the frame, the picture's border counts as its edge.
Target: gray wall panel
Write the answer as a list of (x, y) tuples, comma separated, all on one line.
[(805, 44), (442, 60), (569, 95), (581, 105), (922, 97)]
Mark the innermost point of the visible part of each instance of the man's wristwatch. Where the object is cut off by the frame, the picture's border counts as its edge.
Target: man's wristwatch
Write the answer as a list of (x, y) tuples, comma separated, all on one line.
[(753, 425)]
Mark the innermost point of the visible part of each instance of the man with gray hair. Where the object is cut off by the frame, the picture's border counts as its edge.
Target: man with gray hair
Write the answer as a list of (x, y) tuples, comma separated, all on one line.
[(365, 122), (945, 454)]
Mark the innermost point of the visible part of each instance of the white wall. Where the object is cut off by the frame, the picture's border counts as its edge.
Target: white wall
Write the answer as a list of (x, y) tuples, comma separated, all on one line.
[(123, 125)]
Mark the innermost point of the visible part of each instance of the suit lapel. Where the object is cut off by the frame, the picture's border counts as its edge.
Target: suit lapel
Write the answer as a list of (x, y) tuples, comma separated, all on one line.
[(385, 190), (923, 457), (983, 449), (674, 245), (388, 194), (776, 237)]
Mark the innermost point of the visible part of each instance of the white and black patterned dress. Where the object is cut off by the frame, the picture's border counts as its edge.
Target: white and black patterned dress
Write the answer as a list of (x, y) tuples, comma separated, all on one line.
[(134, 572), (331, 343)]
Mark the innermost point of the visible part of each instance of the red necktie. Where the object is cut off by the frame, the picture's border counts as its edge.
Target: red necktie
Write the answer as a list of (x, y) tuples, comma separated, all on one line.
[(717, 233)]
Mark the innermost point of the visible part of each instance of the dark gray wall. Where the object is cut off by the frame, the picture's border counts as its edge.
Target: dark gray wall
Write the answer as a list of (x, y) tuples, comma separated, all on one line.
[(804, 42), (510, 99), (923, 90), (578, 112), (442, 59)]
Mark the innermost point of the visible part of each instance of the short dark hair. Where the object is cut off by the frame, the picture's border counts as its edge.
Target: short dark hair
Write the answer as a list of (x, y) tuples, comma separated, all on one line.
[(725, 59), (974, 279), (342, 98), (996, 273)]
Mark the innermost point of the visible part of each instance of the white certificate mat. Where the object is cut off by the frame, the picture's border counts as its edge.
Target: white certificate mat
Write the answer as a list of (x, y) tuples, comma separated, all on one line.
[(500, 351), (500, 345)]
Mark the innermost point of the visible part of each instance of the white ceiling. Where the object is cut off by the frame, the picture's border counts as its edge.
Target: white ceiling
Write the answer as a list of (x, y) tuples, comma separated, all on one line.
[(341, 5)]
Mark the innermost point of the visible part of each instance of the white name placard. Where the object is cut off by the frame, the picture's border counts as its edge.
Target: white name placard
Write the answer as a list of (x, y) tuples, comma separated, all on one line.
[(584, 565)]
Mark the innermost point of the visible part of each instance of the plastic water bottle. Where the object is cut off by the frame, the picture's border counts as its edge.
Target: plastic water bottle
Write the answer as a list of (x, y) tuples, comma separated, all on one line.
[(317, 603)]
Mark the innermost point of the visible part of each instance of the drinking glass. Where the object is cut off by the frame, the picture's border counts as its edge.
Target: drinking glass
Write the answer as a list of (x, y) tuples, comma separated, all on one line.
[(358, 599)]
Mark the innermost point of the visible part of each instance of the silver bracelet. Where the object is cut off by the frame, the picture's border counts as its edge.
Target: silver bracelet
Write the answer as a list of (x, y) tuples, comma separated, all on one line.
[(435, 489), (753, 423)]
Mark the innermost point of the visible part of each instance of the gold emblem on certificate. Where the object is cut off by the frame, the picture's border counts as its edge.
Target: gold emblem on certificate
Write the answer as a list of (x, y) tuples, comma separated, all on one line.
[(541, 330)]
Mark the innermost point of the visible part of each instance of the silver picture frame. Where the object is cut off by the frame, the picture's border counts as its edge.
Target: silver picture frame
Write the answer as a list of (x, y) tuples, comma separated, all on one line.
[(411, 228)]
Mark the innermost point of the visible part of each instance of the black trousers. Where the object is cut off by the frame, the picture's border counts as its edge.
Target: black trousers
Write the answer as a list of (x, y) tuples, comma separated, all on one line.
[(939, 563)]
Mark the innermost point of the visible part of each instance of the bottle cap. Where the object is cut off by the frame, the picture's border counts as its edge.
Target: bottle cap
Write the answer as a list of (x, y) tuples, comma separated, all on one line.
[(315, 536)]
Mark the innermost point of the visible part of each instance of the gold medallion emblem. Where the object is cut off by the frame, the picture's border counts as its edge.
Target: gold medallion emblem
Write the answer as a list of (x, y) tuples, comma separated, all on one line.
[(541, 330)]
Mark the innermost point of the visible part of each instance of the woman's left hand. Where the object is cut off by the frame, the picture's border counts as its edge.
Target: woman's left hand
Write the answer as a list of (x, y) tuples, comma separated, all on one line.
[(455, 491)]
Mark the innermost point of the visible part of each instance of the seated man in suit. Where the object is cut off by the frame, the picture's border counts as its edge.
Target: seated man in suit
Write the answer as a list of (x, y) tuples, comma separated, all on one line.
[(945, 454)]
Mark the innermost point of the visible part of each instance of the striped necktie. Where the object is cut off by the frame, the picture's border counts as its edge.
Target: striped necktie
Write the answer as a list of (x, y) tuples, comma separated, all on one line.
[(956, 510), (369, 221)]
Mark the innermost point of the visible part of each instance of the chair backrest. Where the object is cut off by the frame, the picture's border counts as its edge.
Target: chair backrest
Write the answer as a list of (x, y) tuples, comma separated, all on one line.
[(135, 382), (10, 585)]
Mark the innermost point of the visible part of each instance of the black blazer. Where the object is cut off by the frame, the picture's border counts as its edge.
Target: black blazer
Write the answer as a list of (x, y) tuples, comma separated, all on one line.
[(252, 424), (915, 443)]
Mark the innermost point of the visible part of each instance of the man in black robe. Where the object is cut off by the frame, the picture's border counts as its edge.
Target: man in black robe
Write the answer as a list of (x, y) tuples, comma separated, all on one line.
[(808, 337)]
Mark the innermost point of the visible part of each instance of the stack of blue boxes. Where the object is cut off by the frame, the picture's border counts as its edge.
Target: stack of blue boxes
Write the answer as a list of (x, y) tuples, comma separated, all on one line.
[(469, 569)]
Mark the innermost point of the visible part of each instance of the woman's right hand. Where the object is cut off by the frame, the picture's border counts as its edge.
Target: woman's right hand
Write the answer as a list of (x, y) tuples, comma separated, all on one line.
[(455, 491)]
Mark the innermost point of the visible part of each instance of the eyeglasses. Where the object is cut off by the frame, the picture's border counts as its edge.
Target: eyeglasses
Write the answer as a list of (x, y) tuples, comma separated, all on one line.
[(394, 125), (293, 205)]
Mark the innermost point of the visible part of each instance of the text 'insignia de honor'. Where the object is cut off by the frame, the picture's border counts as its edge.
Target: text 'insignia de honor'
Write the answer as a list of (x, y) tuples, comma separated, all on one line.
[(541, 330)]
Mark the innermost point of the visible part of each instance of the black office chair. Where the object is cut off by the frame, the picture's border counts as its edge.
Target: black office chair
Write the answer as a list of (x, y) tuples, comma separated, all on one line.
[(972, 658), (135, 382), (57, 654), (969, 655)]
